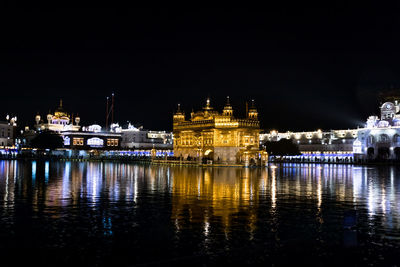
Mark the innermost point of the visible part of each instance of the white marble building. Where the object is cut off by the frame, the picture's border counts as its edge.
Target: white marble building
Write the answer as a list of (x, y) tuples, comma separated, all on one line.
[(7, 131), (139, 138), (380, 139)]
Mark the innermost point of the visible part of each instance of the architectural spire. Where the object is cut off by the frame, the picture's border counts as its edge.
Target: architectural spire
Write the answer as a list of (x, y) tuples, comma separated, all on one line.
[(179, 115), (252, 112), (228, 108), (208, 105), (60, 102)]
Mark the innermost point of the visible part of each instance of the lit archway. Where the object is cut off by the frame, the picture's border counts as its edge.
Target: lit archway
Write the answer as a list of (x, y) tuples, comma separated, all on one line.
[(208, 151)]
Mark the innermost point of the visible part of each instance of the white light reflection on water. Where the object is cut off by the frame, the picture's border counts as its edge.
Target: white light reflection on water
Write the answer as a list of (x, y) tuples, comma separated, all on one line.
[(33, 172), (273, 188), (8, 178), (66, 183), (319, 186), (216, 201), (46, 171)]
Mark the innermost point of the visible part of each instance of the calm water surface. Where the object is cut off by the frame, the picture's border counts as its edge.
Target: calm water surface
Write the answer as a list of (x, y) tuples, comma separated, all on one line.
[(111, 214)]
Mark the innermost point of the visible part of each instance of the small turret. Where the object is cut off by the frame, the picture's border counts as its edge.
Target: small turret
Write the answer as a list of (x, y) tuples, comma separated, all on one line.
[(37, 118), (252, 114), (49, 117), (228, 111), (77, 119), (192, 114), (208, 106), (179, 115)]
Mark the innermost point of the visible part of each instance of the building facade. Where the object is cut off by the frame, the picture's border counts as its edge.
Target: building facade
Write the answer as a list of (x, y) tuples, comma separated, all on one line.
[(380, 139), (75, 137), (7, 131), (58, 121), (219, 137), (86, 140), (318, 144), (139, 138)]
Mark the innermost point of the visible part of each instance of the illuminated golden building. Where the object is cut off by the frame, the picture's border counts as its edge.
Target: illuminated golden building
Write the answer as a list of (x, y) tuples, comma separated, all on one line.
[(219, 137)]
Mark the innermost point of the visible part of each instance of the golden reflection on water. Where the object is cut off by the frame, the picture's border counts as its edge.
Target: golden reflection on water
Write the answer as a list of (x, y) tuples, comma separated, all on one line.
[(217, 192)]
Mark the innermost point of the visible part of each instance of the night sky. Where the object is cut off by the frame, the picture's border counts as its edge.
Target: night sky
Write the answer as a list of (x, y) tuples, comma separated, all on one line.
[(306, 68)]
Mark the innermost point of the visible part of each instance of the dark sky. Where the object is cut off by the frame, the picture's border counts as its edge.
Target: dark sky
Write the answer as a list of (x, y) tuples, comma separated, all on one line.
[(306, 68)]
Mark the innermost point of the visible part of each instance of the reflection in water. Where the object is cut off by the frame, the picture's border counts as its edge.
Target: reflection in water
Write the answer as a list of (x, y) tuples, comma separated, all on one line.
[(33, 171), (209, 193), (220, 208), (46, 171)]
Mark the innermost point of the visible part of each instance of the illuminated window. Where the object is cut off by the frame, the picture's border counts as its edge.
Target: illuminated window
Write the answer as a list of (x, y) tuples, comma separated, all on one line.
[(112, 142), (95, 142), (67, 141), (77, 141)]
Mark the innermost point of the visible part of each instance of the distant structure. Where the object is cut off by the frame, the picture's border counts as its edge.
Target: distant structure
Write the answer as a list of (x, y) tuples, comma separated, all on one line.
[(139, 138), (218, 137), (75, 137), (380, 139), (91, 137), (7, 132), (58, 121), (333, 145)]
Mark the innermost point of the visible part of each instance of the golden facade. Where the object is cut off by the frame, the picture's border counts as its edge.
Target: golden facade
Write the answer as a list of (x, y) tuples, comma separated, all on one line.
[(219, 137)]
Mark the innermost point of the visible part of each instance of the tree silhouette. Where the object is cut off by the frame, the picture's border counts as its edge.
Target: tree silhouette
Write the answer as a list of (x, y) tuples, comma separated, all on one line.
[(283, 147), (47, 139)]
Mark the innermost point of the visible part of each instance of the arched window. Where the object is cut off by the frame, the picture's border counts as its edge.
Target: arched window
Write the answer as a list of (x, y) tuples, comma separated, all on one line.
[(383, 138), (396, 139)]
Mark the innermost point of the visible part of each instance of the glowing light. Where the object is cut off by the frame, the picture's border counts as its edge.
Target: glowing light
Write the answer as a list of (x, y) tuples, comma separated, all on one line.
[(95, 142), (46, 171), (273, 188), (94, 128), (67, 141), (33, 170)]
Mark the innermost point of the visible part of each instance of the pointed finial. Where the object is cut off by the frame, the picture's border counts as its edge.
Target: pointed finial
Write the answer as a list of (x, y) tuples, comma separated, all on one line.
[(208, 101), (179, 107), (252, 103), (227, 101), (60, 102)]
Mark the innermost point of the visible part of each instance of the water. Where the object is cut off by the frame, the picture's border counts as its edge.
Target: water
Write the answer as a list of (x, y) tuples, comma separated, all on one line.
[(110, 214)]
